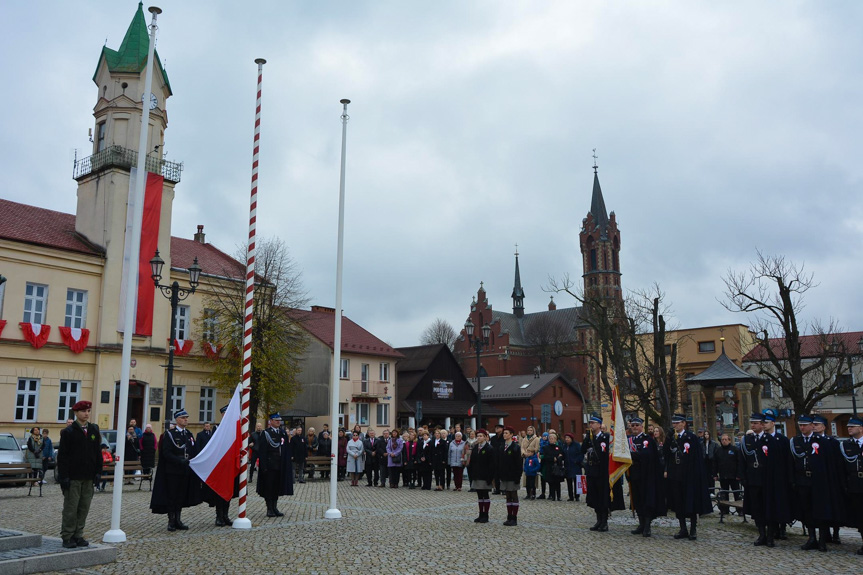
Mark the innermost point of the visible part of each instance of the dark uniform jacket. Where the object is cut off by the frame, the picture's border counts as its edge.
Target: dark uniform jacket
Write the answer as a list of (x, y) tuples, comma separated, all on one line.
[(275, 453), (687, 474), (851, 462), (481, 464), (80, 456), (175, 485), (599, 496), (647, 488), (509, 464), (440, 453), (814, 464)]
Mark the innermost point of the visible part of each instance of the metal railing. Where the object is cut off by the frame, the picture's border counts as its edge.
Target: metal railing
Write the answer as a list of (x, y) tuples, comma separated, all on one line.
[(120, 157), (368, 388)]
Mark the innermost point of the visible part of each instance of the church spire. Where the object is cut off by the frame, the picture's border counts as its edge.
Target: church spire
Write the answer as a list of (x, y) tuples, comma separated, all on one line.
[(597, 203), (517, 291)]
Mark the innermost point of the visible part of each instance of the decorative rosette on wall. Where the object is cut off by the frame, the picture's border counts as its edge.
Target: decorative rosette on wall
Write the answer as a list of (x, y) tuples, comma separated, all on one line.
[(75, 338), (35, 333), (212, 351), (183, 346)]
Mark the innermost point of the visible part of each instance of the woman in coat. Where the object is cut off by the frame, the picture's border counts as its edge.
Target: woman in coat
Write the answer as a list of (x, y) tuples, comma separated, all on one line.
[(440, 452), (147, 446), (325, 447), (509, 472), (343, 455), (552, 464), (455, 459), (425, 454), (34, 452), (530, 452), (411, 456), (395, 457), (355, 458), (543, 441), (481, 469), (573, 458)]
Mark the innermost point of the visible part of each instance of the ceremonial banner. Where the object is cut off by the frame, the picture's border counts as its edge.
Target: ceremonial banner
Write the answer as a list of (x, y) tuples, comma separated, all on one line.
[(619, 458), (218, 464), (75, 338)]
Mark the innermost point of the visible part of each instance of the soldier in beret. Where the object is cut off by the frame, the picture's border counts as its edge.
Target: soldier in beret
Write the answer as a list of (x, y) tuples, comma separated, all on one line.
[(78, 462), (851, 451)]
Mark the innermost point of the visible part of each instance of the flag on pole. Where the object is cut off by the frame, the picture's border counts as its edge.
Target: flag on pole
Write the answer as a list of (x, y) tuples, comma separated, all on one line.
[(620, 458), (218, 464)]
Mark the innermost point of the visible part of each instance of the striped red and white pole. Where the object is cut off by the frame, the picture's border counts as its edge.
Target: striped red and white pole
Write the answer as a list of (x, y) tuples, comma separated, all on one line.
[(242, 522)]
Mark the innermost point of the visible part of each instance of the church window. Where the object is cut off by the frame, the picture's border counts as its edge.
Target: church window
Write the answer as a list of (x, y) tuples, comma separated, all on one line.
[(593, 259), (100, 137)]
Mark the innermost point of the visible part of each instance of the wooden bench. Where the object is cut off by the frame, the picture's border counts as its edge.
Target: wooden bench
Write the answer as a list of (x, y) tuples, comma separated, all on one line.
[(18, 474), (317, 463), (131, 470), (724, 504)]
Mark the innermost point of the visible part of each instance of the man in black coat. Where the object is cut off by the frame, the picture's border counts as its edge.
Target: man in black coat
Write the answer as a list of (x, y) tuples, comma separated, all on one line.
[(686, 471), (497, 446), (782, 489), (851, 461), (381, 457), (175, 485), (371, 463), (203, 437), (727, 470), (78, 462), (596, 447), (299, 450), (758, 472), (274, 451), (819, 426), (645, 478)]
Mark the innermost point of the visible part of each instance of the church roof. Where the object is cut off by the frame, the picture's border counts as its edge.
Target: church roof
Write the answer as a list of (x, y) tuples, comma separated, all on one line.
[(517, 290), (597, 205), (564, 320), (131, 57)]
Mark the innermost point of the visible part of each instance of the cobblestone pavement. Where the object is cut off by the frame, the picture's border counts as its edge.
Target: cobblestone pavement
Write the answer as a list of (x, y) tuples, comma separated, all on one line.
[(402, 531)]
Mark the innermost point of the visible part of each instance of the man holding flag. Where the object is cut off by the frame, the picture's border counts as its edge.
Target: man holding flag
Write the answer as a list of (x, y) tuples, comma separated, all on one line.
[(600, 496), (687, 477)]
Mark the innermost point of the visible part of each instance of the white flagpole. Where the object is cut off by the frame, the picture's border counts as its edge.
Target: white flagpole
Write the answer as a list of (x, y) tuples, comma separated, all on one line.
[(333, 512), (115, 534), (243, 522)]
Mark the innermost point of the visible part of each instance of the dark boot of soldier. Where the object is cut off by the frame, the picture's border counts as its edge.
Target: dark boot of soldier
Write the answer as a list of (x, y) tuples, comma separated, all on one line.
[(812, 543), (762, 535), (646, 532), (693, 528), (640, 529), (823, 538), (683, 533)]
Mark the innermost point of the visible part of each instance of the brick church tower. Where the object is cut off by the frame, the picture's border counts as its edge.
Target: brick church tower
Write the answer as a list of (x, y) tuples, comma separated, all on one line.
[(600, 248)]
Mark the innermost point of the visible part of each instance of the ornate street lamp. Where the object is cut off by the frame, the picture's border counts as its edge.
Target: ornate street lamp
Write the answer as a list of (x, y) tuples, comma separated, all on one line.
[(477, 343), (176, 294)]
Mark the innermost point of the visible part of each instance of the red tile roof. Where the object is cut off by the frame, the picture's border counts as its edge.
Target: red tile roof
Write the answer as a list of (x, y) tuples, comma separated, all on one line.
[(321, 323), (810, 345), (42, 227)]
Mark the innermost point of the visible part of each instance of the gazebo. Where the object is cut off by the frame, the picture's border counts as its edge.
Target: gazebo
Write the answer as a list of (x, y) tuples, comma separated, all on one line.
[(722, 373)]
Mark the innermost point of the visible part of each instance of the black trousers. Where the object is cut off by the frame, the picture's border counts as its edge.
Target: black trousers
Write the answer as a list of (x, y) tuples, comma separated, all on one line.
[(448, 476), (372, 472), (425, 475), (394, 476), (439, 476), (384, 470), (554, 488), (755, 505), (726, 484)]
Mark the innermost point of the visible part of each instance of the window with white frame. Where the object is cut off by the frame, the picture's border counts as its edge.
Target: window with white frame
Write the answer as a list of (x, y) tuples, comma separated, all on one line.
[(211, 326), (345, 369), (207, 405), (76, 308), (385, 372), (100, 136), (363, 413), (35, 303), (178, 398), (182, 322), (68, 397), (343, 408), (383, 414), (27, 399), (364, 376)]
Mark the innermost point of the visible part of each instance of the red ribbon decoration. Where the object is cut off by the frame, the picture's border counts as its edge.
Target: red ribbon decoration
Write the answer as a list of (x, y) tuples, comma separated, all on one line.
[(685, 448), (184, 349), (815, 447), (30, 335), (212, 351), (76, 345), (764, 449)]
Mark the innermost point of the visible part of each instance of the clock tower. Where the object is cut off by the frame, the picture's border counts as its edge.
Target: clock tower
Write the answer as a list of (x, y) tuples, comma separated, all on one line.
[(104, 178)]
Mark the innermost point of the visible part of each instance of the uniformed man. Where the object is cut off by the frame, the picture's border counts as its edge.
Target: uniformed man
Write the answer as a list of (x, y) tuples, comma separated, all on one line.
[(175, 485), (78, 463), (687, 477), (810, 464), (272, 448), (645, 478), (756, 450), (851, 451), (207, 494), (781, 488), (596, 447), (819, 426)]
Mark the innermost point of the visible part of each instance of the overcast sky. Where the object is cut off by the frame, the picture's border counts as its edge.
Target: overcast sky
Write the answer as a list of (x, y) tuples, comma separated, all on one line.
[(721, 127)]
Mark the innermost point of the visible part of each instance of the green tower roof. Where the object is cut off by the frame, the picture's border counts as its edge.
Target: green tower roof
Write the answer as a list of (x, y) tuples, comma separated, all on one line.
[(132, 55)]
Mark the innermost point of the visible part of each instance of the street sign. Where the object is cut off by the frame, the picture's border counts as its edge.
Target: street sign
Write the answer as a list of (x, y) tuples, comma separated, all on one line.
[(545, 413), (419, 411)]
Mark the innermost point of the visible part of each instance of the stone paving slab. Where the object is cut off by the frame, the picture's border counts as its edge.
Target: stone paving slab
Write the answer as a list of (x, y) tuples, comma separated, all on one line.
[(402, 531), (16, 540)]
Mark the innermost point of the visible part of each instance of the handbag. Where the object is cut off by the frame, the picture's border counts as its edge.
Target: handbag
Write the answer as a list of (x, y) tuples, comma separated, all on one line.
[(397, 458), (557, 470)]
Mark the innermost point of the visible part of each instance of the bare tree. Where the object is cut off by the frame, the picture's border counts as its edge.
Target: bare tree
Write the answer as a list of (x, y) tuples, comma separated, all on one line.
[(278, 341), (439, 331), (773, 290), (551, 340)]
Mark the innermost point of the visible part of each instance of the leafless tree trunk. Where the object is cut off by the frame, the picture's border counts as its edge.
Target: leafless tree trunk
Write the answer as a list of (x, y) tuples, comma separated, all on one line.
[(439, 331)]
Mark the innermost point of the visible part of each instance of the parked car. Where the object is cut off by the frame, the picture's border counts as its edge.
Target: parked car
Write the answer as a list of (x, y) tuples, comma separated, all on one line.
[(10, 449)]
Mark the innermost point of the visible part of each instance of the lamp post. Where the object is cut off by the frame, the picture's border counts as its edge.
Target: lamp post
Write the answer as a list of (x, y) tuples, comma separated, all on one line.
[(477, 343), (176, 294), (834, 347)]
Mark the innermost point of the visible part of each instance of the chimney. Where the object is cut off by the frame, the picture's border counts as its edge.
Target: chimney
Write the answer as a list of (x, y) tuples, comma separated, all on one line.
[(551, 305), (199, 237)]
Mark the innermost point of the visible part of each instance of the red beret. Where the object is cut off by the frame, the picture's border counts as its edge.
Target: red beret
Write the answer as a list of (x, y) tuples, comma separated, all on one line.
[(82, 405), (483, 431), (569, 435), (510, 429)]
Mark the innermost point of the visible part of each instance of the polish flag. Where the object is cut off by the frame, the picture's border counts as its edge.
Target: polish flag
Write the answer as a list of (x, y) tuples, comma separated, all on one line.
[(619, 458), (218, 464)]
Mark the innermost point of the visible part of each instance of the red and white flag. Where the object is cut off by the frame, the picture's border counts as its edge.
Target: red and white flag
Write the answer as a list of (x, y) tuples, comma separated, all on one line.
[(619, 458), (218, 464)]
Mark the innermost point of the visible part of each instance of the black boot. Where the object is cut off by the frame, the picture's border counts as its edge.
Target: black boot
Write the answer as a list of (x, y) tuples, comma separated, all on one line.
[(270, 512), (220, 521), (781, 533), (479, 518), (172, 522), (823, 538), (762, 536), (860, 551), (835, 539), (812, 543), (603, 527), (683, 533), (693, 528), (640, 529), (178, 523), (510, 520), (276, 508), (646, 532), (598, 522), (771, 536)]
